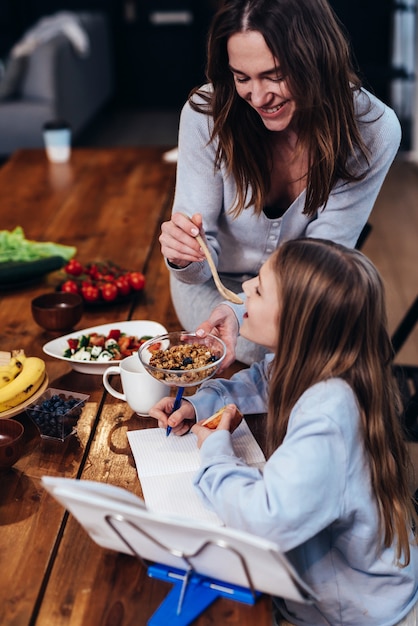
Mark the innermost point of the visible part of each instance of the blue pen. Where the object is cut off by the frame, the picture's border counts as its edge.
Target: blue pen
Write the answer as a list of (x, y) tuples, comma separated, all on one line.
[(176, 405)]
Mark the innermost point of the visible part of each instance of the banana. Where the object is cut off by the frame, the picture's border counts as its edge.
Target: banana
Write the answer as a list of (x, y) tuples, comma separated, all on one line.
[(10, 370), (26, 383), (6, 376)]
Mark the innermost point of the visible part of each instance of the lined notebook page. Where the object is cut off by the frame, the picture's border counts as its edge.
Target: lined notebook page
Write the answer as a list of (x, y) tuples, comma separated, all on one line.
[(166, 467)]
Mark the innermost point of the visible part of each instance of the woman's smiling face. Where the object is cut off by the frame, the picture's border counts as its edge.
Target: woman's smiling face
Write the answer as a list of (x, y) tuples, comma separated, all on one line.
[(260, 323), (258, 79)]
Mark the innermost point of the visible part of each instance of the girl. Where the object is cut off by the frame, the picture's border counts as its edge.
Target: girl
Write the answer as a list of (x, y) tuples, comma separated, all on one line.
[(283, 142), (334, 491)]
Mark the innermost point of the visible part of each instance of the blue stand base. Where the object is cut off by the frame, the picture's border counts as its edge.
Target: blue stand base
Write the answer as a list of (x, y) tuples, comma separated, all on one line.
[(199, 593)]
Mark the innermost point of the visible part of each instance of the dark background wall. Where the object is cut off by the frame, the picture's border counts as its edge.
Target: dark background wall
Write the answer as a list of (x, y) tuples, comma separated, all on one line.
[(369, 26), (157, 65)]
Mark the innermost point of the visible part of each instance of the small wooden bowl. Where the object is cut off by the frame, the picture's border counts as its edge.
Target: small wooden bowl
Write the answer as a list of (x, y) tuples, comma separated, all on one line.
[(11, 442), (57, 310)]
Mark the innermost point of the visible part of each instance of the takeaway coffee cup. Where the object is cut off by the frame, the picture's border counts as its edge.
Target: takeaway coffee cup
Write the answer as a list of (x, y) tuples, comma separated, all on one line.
[(57, 140), (140, 390)]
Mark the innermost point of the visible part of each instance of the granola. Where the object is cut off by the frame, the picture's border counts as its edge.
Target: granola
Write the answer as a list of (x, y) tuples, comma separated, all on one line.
[(186, 363)]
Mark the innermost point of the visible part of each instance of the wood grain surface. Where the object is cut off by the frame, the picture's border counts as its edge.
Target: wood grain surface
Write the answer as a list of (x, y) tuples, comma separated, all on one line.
[(108, 203)]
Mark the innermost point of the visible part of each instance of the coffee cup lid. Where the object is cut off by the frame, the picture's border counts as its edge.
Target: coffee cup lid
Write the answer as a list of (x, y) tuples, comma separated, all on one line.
[(56, 125)]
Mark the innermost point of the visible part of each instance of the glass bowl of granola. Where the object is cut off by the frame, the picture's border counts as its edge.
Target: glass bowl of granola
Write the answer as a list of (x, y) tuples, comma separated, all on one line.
[(182, 359)]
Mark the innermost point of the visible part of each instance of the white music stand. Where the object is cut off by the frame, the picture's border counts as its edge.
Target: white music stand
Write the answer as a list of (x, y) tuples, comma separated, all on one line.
[(202, 561)]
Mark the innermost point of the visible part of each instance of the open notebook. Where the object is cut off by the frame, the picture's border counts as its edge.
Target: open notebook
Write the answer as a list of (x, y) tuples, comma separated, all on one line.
[(118, 520), (166, 467)]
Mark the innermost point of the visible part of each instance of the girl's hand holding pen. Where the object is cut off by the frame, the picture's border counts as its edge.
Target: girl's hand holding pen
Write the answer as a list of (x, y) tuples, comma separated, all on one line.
[(180, 421)]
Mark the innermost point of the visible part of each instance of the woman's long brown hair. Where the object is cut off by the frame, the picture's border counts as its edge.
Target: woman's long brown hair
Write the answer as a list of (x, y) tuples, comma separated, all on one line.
[(314, 56), (332, 323)]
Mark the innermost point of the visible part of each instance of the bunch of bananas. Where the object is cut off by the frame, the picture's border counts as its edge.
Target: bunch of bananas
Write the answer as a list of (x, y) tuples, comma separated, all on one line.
[(20, 378), (12, 368)]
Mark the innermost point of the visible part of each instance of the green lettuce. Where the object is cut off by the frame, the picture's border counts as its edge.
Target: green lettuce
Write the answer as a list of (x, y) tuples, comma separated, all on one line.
[(15, 247)]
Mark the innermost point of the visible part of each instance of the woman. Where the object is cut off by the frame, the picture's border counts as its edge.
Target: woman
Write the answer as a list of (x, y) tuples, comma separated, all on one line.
[(334, 491), (281, 143)]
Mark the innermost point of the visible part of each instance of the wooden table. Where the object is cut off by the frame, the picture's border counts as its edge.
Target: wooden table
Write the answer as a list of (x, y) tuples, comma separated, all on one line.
[(109, 204)]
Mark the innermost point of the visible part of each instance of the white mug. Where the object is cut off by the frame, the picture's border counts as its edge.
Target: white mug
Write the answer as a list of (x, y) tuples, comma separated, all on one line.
[(140, 390)]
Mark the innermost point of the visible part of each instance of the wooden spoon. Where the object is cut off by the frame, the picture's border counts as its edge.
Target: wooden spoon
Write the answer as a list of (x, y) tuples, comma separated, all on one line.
[(226, 293)]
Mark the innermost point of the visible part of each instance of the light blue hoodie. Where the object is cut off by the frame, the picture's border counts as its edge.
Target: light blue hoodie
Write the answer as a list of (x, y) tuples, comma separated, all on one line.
[(314, 499)]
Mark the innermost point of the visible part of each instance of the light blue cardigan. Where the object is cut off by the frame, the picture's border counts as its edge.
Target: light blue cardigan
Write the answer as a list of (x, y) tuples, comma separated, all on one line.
[(240, 246)]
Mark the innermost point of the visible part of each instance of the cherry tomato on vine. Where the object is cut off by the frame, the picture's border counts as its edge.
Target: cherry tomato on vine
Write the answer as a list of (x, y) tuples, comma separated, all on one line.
[(136, 280), (70, 287), (109, 292), (93, 271), (74, 267), (123, 285), (90, 292)]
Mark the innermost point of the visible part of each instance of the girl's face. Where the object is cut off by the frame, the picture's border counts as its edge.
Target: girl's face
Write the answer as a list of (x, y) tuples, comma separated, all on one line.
[(262, 308), (258, 80)]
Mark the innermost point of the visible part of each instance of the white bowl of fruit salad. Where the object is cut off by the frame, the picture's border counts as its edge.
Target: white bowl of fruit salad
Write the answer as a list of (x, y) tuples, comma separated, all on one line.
[(93, 350)]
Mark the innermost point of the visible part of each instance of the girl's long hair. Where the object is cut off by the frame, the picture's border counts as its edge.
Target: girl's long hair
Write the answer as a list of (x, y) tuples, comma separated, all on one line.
[(314, 56), (332, 323)]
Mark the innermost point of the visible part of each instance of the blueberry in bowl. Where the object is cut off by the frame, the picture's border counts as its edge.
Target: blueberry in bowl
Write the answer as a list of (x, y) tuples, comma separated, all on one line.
[(56, 413)]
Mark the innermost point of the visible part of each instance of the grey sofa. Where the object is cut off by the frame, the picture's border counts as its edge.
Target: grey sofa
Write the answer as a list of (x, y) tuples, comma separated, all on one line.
[(57, 83)]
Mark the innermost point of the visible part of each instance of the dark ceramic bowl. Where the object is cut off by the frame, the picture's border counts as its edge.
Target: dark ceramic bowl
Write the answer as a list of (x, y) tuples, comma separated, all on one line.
[(57, 310), (11, 443)]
